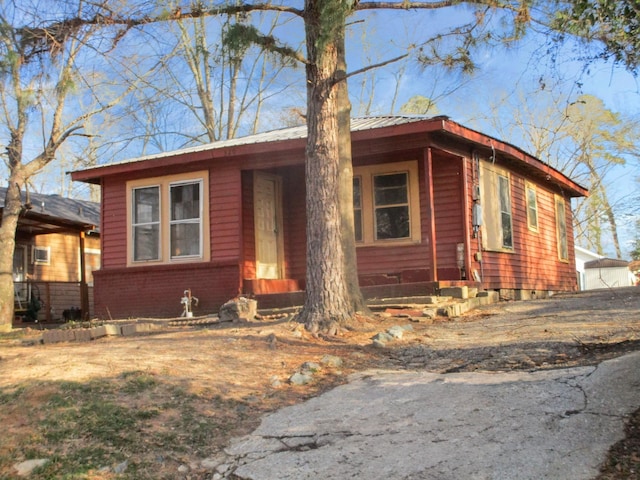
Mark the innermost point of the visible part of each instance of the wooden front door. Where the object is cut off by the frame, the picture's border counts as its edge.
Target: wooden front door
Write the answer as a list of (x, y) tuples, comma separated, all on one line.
[(267, 220)]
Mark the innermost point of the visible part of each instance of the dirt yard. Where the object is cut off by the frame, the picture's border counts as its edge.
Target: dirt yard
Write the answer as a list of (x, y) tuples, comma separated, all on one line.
[(218, 379)]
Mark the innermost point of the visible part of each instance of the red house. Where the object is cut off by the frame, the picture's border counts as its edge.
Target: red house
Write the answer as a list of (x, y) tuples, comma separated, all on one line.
[(435, 204)]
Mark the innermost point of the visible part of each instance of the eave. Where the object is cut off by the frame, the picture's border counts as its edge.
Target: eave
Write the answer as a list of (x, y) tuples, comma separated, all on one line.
[(364, 131)]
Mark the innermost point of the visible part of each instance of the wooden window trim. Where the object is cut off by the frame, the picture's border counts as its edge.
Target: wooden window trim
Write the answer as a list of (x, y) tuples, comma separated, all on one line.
[(492, 226), (366, 175), (165, 184)]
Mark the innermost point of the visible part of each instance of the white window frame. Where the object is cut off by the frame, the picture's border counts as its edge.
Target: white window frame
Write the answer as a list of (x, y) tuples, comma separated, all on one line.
[(368, 207), (188, 221), (165, 184), (36, 251), (151, 223)]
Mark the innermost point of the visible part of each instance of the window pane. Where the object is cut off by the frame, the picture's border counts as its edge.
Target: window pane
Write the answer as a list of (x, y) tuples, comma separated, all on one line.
[(185, 201), (185, 239), (357, 208), (357, 193), (146, 223), (390, 189), (392, 222), (505, 211), (185, 224), (532, 208), (146, 205), (563, 249), (357, 224), (507, 237), (146, 242), (505, 197)]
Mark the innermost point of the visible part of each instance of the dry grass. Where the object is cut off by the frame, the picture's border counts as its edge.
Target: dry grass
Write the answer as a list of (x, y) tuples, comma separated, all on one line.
[(173, 398)]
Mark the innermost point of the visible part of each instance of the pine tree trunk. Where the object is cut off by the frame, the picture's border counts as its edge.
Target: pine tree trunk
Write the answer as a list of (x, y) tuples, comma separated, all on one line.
[(358, 303), (327, 304)]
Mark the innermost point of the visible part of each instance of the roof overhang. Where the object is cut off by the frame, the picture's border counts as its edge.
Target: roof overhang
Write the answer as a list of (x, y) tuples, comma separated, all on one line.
[(33, 223), (362, 130)]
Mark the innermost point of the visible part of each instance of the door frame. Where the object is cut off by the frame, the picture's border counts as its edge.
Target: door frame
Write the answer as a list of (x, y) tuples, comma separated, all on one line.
[(257, 175)]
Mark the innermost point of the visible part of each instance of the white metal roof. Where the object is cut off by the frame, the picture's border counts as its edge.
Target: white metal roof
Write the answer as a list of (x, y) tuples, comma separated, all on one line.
[(290, 133)]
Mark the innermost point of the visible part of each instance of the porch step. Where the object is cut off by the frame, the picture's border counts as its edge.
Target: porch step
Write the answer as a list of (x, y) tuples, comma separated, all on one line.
[(446, 306)]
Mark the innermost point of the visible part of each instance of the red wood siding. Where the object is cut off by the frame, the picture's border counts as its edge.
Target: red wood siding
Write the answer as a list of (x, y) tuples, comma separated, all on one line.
[(379, 265), (113, 229), (534, 263), (225, 214), (295, 220), (248, 228), (448, 205), (156, 291)]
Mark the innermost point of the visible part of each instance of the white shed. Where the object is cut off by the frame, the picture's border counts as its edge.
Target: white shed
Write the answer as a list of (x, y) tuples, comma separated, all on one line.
[(583, 256), (607, 273)]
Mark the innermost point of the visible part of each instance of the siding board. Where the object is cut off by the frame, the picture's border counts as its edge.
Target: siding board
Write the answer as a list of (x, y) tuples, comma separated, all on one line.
[(533, 264)]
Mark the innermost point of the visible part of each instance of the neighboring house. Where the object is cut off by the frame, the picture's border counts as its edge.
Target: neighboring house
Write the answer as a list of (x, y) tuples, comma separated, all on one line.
[(583, 256), (57, 249), (607, 273), (435, 204)]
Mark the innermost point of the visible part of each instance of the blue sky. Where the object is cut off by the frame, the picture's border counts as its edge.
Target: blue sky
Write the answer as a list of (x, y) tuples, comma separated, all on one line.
[(520, 70), (466, 99)]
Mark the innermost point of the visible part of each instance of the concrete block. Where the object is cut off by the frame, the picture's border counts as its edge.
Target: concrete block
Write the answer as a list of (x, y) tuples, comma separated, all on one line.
[(453, 310), (475, 302), (112, 329), (136, 328), (455, 292), (51, 336), (81, 334), (98, 332), (431, 299), (491, 295), (507, 294)]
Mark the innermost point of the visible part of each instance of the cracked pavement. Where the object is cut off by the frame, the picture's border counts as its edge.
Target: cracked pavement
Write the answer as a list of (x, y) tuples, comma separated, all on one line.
[(551, 424)]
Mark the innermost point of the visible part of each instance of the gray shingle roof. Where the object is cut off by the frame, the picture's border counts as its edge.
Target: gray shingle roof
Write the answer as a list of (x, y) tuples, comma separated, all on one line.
[(606, 263), (79, 212)]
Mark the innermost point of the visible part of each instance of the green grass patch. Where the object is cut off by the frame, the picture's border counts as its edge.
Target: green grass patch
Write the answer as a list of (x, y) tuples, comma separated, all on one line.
[(82, 427)]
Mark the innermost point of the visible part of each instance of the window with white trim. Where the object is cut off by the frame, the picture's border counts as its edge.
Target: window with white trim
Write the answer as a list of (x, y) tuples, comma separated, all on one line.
[(186, 219), (167, 218), (495, 194), (146, 223), (386, 204), (41, 255)]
